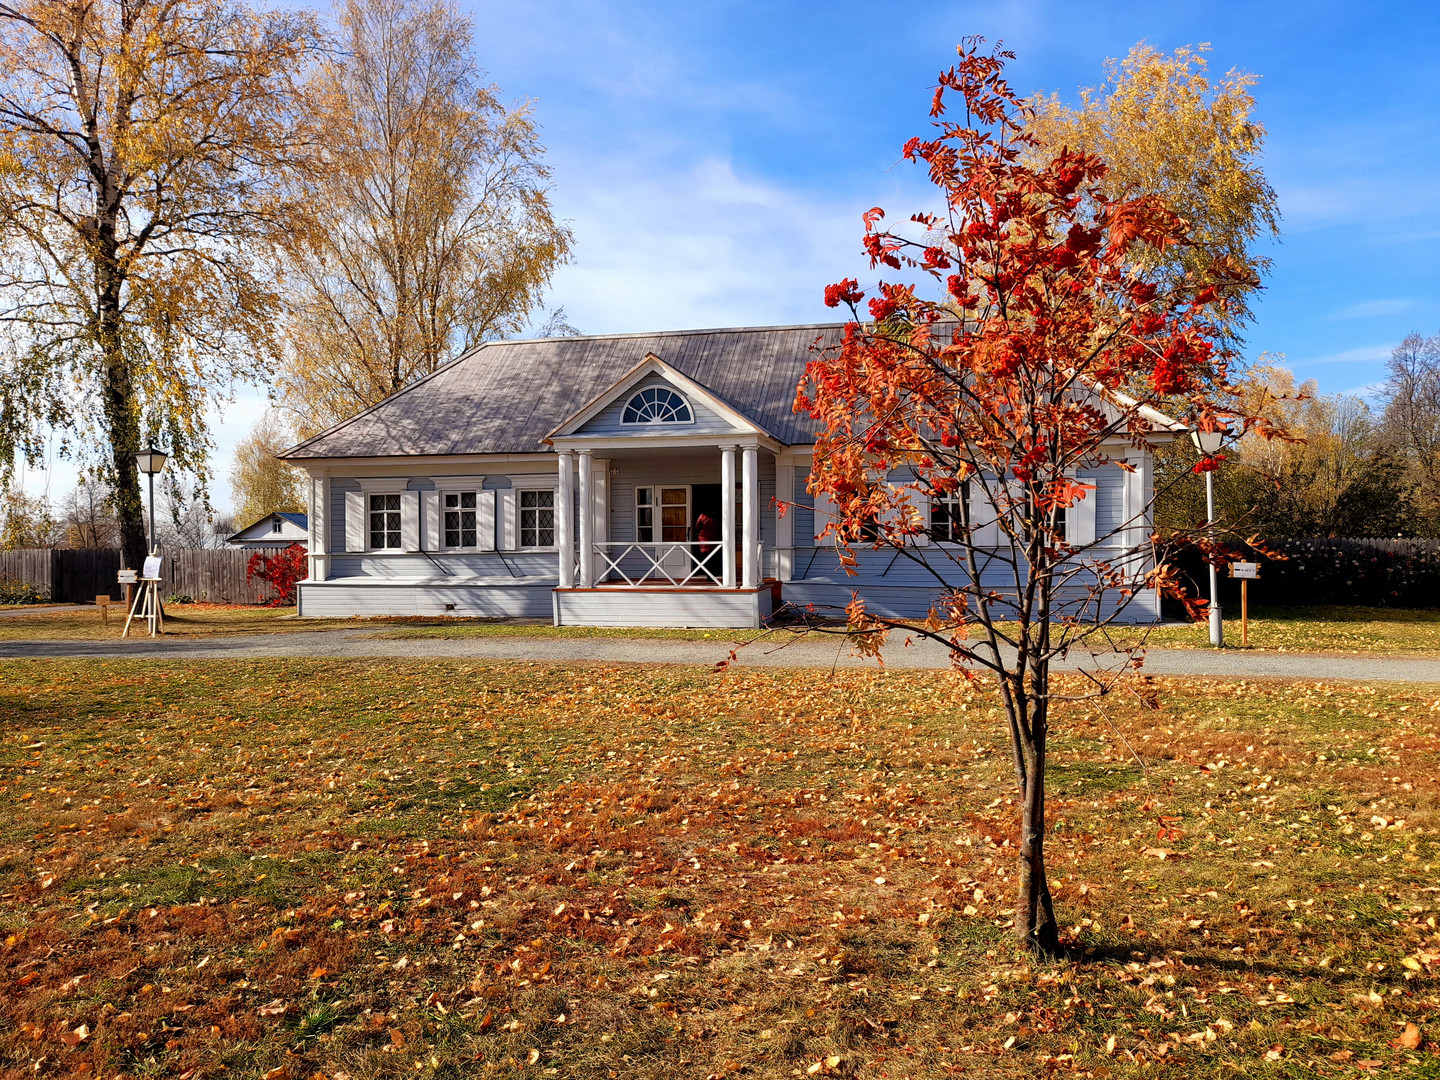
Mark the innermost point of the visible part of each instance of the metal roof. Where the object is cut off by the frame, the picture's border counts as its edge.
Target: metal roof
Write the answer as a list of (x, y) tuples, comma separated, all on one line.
[(506, 396)]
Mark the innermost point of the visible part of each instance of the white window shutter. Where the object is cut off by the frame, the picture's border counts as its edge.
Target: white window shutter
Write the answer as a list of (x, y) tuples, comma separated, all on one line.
[(509, 515), (410, 521), (431, 503), (825, 513), (1080, 518), (485, 520), (354, 521), (984, 529), (921, 502)]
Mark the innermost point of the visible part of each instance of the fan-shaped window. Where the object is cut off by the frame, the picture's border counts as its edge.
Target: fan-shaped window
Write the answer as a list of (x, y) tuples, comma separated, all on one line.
[(657, 405)]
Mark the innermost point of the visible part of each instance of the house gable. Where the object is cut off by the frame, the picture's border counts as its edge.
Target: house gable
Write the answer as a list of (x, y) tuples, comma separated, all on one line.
[(608, 413), (293, 528)]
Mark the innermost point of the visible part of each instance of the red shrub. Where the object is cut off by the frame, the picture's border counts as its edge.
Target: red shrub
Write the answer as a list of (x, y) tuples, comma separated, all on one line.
[(280, 570)]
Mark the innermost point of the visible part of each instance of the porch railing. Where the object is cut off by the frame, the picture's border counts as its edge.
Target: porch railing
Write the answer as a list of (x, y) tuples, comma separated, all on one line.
[(646, 563)]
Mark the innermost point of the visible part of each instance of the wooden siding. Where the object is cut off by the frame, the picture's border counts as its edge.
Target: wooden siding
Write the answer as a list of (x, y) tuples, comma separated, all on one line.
[(342, 599), (662, 607)]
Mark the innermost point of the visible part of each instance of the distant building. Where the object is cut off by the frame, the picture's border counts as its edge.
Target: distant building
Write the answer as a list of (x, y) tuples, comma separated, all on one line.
[(278, 530)]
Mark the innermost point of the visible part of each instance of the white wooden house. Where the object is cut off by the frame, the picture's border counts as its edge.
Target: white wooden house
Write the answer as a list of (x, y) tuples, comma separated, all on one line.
[(563, 478), (278, 530)]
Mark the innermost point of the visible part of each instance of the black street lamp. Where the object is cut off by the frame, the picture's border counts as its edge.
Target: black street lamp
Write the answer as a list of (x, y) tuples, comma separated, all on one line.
[(151, 461)]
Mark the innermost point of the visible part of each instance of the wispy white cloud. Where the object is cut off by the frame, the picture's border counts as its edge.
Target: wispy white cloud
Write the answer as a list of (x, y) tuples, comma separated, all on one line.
[(705, 246), (1365, 354), (1370, 309)]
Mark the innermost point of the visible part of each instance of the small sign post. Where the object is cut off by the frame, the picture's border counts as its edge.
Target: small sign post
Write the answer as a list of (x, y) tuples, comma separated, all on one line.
[(127, 578), (1246, 572)]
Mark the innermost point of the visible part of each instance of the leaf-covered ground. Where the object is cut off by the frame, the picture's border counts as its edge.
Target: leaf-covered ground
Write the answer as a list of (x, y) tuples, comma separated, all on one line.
[(452, 869)]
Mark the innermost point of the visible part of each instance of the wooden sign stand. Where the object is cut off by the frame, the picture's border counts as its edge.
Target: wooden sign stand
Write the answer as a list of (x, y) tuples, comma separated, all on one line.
[(147, 604), (147, 607)]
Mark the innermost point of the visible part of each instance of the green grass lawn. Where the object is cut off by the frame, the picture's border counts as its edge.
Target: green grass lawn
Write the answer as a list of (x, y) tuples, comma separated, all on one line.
[(1316, 629), (394, 868)]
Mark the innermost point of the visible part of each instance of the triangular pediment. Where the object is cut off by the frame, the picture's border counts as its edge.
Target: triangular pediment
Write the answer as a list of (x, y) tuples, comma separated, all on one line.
[(654, 400)]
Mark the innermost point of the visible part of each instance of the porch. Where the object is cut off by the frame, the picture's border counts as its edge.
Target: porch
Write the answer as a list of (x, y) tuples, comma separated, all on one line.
[(665, 535)]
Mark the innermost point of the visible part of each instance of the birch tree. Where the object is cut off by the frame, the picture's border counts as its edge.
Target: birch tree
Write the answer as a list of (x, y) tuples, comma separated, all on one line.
[(429, 227), (142, 146), (1165, 128)]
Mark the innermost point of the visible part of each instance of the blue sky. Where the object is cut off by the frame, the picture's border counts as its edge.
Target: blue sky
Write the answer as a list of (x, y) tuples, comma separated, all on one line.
[(714, 159)]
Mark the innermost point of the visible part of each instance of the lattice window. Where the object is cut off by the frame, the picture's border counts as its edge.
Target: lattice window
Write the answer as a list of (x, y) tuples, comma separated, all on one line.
[(384, 521), (537, 519), (460, 519)]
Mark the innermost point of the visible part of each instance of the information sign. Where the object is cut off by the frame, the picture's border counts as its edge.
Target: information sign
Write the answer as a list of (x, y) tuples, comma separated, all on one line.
[(1247, 570), (127, 577), (152, 568)]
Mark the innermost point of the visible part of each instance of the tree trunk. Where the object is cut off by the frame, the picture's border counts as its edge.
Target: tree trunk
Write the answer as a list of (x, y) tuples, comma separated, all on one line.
[(1035, 928), (122, 414)]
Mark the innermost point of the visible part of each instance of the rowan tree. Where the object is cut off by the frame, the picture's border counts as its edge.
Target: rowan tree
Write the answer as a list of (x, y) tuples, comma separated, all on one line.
[(428, 226), (142, 147), (988, 399)]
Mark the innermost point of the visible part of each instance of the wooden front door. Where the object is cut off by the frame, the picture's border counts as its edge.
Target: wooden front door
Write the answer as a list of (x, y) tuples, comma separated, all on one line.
[(675, 528)]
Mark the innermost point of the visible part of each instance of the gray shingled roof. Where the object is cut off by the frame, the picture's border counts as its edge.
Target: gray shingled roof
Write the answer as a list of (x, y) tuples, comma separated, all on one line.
[(506, 396)]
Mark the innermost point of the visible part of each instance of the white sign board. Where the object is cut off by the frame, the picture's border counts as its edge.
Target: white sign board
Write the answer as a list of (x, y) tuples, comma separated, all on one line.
[(1247, 570), (152, 568), (127, 577)]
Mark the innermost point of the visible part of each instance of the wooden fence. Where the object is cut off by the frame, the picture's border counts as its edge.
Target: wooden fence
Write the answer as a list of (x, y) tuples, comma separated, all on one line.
[(81, 574)]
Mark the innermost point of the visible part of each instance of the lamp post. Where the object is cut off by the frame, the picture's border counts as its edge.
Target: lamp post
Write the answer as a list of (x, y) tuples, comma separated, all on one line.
[(1208, 442), (151, 461)]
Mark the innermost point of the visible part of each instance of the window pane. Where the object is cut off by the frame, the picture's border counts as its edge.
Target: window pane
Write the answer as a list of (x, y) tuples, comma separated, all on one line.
[(643, 496), (467, 500), (674, 496), (467, 538), (452, 500)]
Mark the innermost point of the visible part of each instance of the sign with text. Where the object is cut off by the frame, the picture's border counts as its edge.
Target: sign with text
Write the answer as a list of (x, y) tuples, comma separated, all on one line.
[(152, 568), (1247, 570), (127, 577)]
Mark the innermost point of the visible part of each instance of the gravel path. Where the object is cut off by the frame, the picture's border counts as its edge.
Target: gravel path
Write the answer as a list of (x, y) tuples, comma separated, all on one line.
[(15, 613), (811, 652)]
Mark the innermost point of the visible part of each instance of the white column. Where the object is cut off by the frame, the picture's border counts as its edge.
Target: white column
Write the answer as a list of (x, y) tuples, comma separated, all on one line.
[(727, 516), (587, 520), (749, 519), (564, 523), (784, 524), (319, 521)]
